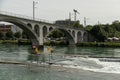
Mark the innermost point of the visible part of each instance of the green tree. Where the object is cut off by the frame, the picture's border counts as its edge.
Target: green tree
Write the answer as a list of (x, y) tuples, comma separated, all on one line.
[(1, 35), (18, 34), (88, 28), (77, 25), (9, 35), (24, 35), (56, 34), (110, 30), (116, 25), (99, 32)]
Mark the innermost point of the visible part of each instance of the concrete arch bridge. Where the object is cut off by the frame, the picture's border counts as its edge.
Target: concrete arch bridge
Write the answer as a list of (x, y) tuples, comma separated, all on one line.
[(38, 29)]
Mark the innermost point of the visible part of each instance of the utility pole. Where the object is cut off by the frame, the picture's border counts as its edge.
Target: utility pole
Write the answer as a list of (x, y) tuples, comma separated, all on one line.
[(34, 3), (69, 18), (75, 14), (85, 21), (75, 11), (98, 22)]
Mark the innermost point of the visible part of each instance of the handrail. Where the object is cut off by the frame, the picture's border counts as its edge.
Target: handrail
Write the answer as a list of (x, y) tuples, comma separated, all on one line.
[(25, 17)]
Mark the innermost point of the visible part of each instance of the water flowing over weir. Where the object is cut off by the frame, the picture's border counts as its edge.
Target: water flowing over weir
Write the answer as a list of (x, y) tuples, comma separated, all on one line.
[(106, 65)]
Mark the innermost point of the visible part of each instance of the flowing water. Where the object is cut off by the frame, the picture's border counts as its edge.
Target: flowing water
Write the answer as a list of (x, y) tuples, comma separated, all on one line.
[(72, 63)]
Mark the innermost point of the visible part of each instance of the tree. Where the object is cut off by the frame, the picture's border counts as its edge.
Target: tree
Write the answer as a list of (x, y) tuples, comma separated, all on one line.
[(18, 34), (88, 28), (1, 35), (77, 25), (110, 30), (99, 32), (24, 35), (116, 25), (56, 34), (9, 35)]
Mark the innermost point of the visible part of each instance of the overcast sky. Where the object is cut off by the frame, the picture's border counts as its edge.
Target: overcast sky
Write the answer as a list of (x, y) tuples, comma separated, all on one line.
[(104, 11)]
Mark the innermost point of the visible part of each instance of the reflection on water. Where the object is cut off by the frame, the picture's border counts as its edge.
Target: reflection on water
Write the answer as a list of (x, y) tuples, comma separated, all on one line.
[(92, 51), (22, 53)]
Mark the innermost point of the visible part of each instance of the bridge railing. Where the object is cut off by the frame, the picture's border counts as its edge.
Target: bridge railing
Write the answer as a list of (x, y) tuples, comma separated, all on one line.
[(36, 19), (25, 17)]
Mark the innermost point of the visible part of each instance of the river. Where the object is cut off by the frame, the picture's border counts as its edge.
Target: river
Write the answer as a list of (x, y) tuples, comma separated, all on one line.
[(71, 63)]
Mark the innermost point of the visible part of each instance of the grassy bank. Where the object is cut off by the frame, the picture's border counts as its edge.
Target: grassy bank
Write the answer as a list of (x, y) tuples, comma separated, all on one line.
[(99, 44)]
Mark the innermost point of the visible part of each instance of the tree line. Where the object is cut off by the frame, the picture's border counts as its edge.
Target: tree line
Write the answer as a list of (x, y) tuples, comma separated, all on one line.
[(104, 31), (101, 31), (10, 35)]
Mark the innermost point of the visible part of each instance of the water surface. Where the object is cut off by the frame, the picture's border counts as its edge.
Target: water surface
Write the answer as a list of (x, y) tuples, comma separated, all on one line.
[(88, 68)]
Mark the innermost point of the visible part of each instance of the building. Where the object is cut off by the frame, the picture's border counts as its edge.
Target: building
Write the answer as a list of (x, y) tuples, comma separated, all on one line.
[(5, 28), (9, 27), (66, 22)]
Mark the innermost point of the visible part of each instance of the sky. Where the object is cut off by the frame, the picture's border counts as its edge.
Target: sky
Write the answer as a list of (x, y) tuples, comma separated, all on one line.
[(102, 11)]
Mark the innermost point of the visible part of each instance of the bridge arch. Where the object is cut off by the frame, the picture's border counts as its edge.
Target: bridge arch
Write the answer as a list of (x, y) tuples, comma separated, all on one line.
[(73, 33), (50, 28), (32, 36), (37, 29), (69, 31), (85, 36), (44, 31), (67, 34), (79, 37), (30, 26)]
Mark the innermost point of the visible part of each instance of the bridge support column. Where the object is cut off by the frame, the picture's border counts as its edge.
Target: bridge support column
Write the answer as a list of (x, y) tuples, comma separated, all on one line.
[(76, 38), (41, 46), (82, 35)]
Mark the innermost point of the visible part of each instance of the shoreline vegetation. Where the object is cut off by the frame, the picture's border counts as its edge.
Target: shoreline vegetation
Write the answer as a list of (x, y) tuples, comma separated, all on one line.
[(23, 42), (62, 43)]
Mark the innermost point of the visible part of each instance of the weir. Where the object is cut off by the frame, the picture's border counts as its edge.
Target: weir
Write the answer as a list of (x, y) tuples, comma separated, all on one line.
[(109, 59)]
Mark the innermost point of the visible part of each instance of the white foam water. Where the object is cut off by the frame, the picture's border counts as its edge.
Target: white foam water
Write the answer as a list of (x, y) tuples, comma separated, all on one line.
[(91, 64)]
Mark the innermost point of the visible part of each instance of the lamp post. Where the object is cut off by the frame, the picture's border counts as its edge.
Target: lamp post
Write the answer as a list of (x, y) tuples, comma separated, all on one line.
[(34, 3)]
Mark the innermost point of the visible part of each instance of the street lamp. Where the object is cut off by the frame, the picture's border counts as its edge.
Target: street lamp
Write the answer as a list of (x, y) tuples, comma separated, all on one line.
[(34, 3)]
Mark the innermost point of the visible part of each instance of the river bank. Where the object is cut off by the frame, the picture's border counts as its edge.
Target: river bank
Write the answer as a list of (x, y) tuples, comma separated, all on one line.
[(62, 43), (21, 42), (98, 44)]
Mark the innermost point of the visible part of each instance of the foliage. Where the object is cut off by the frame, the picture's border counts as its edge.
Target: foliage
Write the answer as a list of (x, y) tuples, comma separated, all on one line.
[(9, 35), (24, 35), (99, 32), (102, 32), (1, 35), (18, 34), (88, 28), (56, 34), (77, 25)]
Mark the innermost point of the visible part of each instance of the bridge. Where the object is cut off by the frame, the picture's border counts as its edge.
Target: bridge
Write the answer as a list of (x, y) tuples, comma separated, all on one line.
[(38, 29)]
